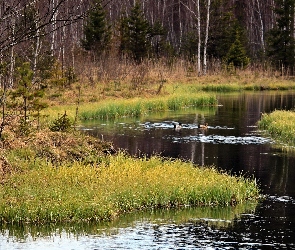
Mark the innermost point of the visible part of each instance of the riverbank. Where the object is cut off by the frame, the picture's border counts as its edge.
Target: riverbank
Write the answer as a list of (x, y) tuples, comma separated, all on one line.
[(120, 99), (152, 87)]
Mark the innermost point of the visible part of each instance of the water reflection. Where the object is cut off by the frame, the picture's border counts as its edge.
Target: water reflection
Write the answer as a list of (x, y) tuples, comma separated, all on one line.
[(200, 228), (136, 230)]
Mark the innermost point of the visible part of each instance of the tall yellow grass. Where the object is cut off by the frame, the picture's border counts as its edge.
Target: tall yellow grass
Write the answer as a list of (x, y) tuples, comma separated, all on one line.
[(280, 125), (118, 185)]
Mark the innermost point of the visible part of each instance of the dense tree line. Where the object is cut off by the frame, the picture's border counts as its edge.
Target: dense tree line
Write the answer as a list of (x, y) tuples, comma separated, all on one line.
[(49, 43), (50, 34)]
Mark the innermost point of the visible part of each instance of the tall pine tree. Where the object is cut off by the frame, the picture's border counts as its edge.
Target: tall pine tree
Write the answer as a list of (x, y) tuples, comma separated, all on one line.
[(97, 32), (27, 96), (137, 33), (224, 27), (237, 54), (281, 43)]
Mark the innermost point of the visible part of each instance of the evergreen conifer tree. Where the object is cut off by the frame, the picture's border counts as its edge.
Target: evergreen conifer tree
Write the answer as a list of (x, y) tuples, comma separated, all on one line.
[(280, 42), (29, 94), (137, 33), (97, 32), (189, 45), (236, 55), (221, 36)]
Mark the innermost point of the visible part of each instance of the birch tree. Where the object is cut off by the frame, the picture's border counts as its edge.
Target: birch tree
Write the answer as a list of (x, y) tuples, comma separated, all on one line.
[(199, 36), (206, 37), (197, 14), (54, 15), (12, 58), (261, 26), (49, 20)]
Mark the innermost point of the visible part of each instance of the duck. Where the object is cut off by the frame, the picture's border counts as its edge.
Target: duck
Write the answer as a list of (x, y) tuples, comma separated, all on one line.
[(203, 126), (177, 127)]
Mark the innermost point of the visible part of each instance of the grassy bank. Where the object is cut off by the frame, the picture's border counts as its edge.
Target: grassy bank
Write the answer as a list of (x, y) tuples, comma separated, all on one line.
[(119, 184), (63, 177), (137, 107), (134, 107), (280, 125), (150, 88), (113, 99)]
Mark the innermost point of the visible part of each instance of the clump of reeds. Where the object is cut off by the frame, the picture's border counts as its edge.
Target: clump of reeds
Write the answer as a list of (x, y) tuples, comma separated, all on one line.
[(137, 107), (119, 184), (279, 125)]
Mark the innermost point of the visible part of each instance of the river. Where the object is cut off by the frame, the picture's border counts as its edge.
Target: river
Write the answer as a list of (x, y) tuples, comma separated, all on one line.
[(233, 143)]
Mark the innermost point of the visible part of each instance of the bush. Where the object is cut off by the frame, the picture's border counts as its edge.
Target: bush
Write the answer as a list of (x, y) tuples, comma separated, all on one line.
[(61, 124)]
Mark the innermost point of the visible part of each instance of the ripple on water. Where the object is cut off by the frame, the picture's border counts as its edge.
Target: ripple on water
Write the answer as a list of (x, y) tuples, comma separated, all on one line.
[(170, 125), (219, 139), (284, 199)]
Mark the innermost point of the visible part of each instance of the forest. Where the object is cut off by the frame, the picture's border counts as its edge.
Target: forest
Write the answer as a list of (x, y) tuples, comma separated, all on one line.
[(63, 39)]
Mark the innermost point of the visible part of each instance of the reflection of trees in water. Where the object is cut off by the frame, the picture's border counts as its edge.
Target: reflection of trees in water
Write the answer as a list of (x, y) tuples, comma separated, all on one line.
[(282, 174)]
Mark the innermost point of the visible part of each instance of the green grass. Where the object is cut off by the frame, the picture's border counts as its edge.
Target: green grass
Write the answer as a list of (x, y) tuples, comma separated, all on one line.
[(44, 193), (239, 86), (137, 107), (222, 87), (280, 125), (198, 91)]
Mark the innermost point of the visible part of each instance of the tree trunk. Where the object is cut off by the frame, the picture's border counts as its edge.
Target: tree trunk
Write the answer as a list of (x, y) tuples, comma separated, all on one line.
[(36, 55), (206, 38), (199, 37), (12, 58), (3, 104), (261, 29), (53, 25)]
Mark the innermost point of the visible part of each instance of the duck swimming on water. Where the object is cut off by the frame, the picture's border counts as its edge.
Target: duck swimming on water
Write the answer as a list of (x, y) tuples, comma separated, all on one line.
[(203, 126), (177, 127)]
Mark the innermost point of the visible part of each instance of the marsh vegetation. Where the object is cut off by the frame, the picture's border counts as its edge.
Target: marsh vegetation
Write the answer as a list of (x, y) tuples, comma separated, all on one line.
[(279, 124), (119, 184)]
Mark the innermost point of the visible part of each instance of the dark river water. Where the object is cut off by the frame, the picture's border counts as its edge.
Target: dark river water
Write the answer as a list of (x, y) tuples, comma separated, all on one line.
[(233, 143)]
